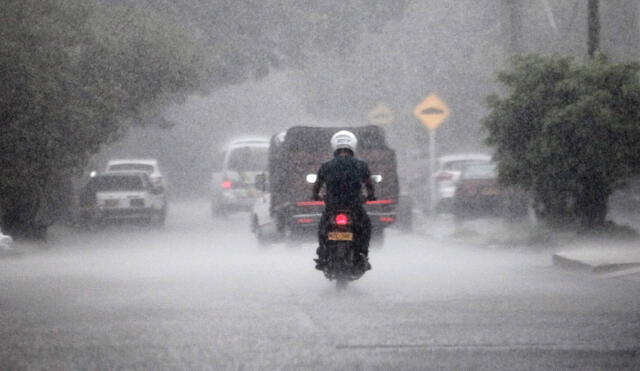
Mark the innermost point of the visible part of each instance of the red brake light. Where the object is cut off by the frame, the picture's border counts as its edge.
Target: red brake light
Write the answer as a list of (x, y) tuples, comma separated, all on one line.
[(379, 202), (342, 219), (226, 184), (387, 219), (445, 176)]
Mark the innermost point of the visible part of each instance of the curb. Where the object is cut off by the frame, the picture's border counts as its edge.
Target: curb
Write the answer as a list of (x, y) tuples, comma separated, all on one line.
[(577, 265)]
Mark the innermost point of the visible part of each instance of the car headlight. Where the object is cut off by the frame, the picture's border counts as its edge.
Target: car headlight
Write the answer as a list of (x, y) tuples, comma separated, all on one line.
[(311, 178), (376, 178)]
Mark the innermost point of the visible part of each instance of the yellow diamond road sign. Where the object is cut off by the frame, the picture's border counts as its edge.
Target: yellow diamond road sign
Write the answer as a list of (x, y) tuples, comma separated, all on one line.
[(380, 115), (432, 111)]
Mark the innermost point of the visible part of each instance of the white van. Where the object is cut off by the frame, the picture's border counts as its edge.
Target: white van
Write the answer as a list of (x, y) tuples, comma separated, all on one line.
[(233, 180)]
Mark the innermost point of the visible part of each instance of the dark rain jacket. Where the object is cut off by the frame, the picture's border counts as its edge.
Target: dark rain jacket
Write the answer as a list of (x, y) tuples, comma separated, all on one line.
[(344, 177)]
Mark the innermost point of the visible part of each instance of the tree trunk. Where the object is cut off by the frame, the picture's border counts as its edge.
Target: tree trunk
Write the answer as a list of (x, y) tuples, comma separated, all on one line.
[(23, 212), (591, 203), (554, 208)]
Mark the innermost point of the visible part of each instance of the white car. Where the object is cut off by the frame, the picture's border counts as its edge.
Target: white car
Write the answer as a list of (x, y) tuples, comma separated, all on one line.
[(149, 166), (124, 195), (448, 173), (262, 224), (233, 181), (6, 243)]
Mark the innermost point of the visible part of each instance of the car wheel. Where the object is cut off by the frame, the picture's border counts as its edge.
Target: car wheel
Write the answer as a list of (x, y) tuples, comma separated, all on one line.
[(159, 219), (162, 218), (458, 218), (218, 210), (377, 238), (404, 219), (295, 237), (257, 231)]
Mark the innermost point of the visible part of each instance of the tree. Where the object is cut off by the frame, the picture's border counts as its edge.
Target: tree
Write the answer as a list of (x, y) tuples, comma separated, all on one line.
[(568, 132), (66, 91), (77, 73)]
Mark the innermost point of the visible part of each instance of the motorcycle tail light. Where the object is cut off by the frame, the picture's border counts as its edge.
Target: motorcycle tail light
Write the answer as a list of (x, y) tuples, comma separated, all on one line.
[(226, 184), (342, 219)]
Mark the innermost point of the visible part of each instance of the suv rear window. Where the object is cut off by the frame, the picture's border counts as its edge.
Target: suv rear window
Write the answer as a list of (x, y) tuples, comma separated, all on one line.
[(480, 171), (248, 159), (116, 183), (131, 167)]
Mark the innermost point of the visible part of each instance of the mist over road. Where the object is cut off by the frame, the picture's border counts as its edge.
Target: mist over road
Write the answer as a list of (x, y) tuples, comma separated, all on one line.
[(201, 294)]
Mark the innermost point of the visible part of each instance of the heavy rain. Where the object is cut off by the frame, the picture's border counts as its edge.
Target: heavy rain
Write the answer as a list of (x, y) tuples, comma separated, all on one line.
[(177, 190)]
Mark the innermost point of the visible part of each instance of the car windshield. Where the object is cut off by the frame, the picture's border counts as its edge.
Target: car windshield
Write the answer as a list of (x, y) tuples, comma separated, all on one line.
[(480, 171), (117, 183), (132, 167), (248, 159)]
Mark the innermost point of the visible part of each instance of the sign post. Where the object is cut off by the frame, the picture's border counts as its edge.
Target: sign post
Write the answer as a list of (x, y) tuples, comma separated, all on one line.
[(432, 112)]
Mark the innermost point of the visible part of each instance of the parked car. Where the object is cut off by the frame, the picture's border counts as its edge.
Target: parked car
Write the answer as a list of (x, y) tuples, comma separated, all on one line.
[(149, 166), (478, 194), (118, 196), (449, 168), (233, 182), (6, 243)]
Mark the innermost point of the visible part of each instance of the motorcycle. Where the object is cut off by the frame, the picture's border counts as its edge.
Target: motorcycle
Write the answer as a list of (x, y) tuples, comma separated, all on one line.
[(344, 262)]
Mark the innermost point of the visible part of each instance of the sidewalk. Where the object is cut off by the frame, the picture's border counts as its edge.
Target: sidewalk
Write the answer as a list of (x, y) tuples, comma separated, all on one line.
[(603, 259), (602, 256), (607, 257)]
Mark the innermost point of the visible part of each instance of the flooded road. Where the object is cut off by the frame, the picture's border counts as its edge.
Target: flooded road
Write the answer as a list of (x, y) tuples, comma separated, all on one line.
[(201, 294)]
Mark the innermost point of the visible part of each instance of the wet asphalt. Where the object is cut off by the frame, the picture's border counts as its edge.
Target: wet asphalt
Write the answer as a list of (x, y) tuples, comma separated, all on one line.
[(201, 294)]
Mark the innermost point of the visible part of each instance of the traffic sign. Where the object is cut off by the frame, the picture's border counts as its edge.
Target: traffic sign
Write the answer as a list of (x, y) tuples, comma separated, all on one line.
[(381, 114), (432, 111)]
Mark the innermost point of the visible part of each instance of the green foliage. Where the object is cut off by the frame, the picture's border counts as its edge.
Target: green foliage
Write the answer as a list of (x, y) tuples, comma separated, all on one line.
[(67, 88), (568, 132)]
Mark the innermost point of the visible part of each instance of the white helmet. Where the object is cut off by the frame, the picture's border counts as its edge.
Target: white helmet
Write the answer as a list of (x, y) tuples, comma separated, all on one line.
[(344, 140)]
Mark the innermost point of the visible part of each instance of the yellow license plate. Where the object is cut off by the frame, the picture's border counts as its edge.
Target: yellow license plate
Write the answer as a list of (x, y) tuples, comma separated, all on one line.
[(490, 191), (111, 203), (340, 236)]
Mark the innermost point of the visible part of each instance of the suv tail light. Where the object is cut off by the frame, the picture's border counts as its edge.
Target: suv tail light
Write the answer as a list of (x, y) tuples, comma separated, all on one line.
[(342, 219), (226, 184), (444, 176)]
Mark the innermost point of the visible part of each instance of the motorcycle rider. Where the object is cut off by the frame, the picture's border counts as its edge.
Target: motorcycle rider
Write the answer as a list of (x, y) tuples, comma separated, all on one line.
[(344, 176)]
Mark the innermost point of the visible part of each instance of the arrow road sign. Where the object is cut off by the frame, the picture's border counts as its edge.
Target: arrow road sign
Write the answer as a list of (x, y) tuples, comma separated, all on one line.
[(380, 115), (432, 111)]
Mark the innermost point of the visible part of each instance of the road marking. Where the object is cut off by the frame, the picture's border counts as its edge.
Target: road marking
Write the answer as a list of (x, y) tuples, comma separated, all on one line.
[(488, 346)]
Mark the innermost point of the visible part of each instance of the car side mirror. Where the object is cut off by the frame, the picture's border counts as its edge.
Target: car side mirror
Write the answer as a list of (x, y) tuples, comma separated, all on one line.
[(261, 182)]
